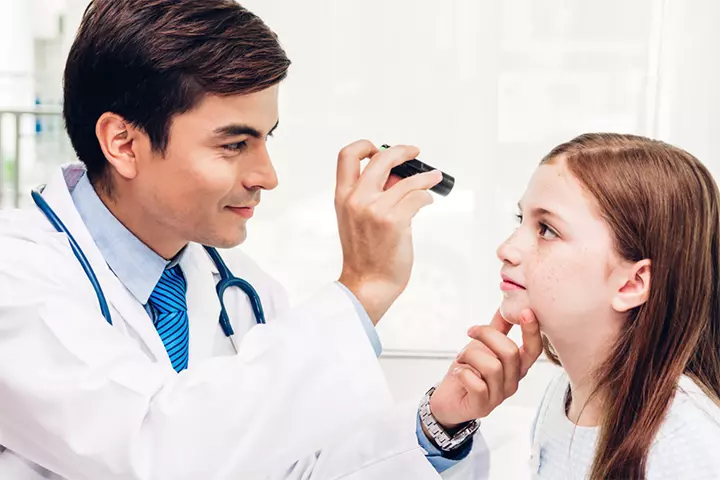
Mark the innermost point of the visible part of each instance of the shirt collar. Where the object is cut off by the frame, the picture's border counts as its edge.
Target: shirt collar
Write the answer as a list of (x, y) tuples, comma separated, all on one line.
[(135, 264)]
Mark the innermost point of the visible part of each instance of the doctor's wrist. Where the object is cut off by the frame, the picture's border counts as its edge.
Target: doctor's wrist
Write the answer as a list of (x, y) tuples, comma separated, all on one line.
[(447, 440), (376, 297)]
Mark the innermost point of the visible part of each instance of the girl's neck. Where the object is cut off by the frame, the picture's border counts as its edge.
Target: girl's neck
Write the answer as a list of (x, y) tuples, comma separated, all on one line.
[(580, 359)]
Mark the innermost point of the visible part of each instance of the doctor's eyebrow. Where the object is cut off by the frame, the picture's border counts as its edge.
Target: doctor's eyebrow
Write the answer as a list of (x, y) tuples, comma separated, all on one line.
[(236, 129)]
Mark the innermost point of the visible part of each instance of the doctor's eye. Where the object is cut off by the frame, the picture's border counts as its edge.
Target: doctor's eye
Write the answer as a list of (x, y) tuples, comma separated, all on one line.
[(235, 147), (519, 217)]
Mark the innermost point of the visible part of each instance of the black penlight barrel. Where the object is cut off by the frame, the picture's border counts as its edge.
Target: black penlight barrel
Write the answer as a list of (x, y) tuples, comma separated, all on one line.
[(415, 166)]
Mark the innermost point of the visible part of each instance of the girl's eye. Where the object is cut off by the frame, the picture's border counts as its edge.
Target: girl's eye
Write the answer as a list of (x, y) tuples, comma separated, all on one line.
[(547, 232)]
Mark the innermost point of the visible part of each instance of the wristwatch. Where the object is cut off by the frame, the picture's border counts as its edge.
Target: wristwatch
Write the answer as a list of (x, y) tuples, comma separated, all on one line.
[(438, 435)]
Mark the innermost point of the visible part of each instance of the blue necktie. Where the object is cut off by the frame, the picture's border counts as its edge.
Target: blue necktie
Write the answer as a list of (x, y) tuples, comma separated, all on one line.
[(171, 318)]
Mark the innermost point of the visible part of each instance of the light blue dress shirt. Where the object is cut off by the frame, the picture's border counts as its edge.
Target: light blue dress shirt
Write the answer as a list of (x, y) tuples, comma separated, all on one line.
[(139, 268)]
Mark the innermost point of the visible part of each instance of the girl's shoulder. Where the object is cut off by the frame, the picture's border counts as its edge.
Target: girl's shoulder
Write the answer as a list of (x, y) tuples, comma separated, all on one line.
[(691, 412), (554, 395), (688, 443)]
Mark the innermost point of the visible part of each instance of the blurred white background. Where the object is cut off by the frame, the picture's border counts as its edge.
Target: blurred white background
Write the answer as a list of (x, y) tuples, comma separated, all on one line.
[(484, 87)]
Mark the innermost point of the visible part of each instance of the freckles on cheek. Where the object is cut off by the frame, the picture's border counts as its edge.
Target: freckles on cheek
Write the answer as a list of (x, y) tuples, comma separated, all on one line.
[(545, 282)]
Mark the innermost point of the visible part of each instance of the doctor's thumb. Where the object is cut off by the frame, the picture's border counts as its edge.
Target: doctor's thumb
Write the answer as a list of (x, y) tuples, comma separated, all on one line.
[(532, 344)]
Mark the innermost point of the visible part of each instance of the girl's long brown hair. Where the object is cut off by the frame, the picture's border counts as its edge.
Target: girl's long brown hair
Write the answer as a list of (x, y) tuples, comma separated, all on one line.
[(660, 203)]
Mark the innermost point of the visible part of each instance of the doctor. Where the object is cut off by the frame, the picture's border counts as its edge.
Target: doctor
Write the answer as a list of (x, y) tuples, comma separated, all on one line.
[(168, 105)]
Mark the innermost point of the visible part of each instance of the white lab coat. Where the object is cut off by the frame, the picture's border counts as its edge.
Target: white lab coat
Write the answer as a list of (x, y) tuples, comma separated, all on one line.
[(305, 397)]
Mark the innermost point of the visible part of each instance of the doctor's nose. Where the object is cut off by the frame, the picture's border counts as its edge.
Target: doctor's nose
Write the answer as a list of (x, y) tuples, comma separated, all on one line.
[(261, 175), (508, 252)]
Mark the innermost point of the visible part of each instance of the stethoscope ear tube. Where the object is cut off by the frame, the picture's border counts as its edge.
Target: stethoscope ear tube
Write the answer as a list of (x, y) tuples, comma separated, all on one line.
[(84, 263), (227, 280)]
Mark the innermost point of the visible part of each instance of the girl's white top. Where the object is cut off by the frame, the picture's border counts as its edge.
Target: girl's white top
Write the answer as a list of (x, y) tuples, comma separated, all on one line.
[(687, 445)]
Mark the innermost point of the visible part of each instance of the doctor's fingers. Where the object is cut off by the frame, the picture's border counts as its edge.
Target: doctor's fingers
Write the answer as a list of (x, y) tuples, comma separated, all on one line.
[(507, 353), (408, 207), (421, 182), (348, 167), (499, 323), (489, 369), (373, 179), (477, 401), (532, 346), (376, 177)]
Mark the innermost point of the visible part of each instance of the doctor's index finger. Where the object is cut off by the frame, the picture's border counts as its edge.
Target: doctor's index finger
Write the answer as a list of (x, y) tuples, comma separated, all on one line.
[(499, 323), (348, 167), (377, 172)]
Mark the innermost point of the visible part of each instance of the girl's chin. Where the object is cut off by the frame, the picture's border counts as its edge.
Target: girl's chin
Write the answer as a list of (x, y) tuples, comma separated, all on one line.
[(511, 312)]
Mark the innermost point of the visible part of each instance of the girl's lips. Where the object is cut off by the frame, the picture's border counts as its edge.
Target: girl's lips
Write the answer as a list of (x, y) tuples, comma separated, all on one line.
[(509, 284)]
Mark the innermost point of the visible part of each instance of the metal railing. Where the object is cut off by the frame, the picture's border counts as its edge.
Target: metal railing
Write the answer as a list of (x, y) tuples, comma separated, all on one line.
[(12, 166)]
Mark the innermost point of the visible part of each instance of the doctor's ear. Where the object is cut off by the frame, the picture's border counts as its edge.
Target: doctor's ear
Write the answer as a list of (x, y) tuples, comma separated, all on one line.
[(635, 287), (117, 140)]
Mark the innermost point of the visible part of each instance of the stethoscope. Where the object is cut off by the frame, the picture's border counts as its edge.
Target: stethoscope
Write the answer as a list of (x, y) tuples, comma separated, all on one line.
[(227, 279)]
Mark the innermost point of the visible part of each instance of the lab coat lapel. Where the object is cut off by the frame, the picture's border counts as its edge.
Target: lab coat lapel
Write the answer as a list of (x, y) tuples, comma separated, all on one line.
[(130, 311), (203, 305)]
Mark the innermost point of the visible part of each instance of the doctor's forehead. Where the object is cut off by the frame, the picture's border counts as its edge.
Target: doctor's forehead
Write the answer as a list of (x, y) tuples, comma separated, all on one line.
[(219, 115)]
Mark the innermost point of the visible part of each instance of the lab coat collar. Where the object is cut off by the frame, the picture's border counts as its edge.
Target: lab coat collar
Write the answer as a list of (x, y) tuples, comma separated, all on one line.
[(57, 195)]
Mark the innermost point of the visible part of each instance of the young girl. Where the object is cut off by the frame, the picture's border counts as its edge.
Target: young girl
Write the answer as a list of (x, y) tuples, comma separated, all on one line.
[(618, 255)]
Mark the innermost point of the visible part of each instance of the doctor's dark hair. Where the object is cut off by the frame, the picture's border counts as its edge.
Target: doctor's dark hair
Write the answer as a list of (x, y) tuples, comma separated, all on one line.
[(660, 203), (149, 60)]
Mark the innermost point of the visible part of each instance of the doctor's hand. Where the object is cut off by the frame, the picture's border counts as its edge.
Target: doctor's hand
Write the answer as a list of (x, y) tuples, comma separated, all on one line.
[(374, 213), (486, 371)]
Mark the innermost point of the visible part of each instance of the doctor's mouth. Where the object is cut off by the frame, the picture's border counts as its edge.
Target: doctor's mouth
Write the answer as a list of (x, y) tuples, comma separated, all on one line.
[(244, 212)]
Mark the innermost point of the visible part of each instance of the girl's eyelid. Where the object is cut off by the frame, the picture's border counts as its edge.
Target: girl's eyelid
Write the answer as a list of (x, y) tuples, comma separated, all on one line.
[(550, 228), (542, 224)]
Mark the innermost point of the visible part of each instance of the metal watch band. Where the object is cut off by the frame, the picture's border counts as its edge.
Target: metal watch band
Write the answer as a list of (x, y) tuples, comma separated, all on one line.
[(442, 439)]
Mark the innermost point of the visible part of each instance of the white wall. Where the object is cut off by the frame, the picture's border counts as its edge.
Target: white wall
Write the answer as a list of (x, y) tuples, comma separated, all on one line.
[(16, 54), (689, 91), (17, 90)]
